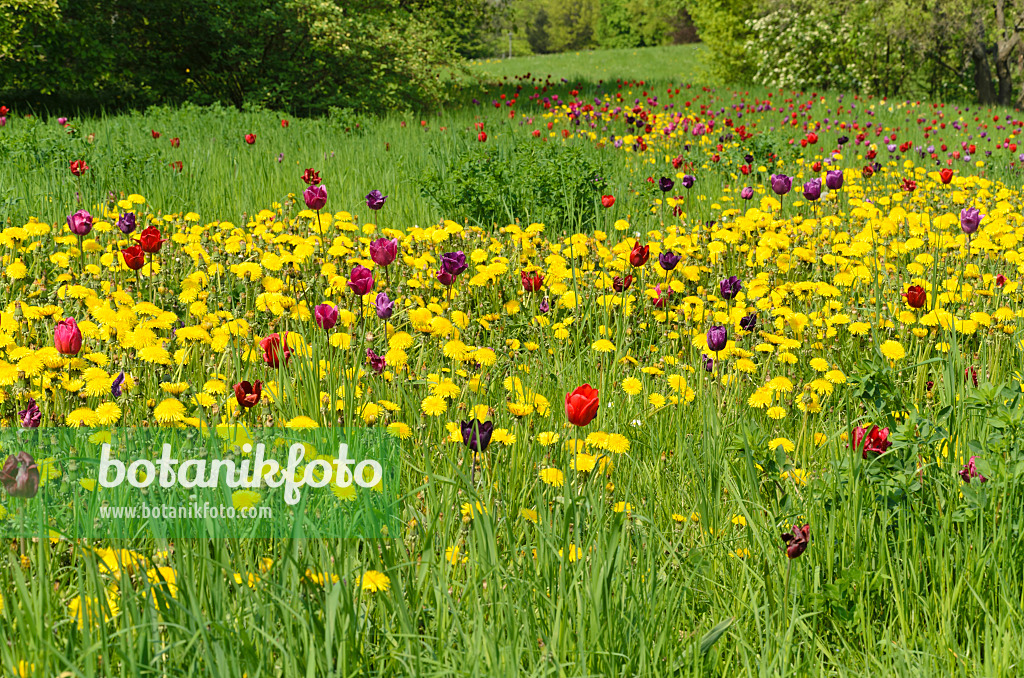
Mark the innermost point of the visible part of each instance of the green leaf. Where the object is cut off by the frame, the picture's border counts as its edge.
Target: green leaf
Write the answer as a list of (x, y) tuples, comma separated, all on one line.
[(712, 636)]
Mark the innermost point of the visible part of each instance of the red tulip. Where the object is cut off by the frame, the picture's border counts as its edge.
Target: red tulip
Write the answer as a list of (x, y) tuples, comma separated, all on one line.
[(639, 255), (876, 441), (946, 174), (150, 240), (78, 167), (248, 394), (156, 135), (915, 296), (607, 200), (67, 338), (133, 257), (581, 405), (284, 123), (622, 284), (796, 541), (531, 283), (250, 139), (481, 137), (271, 354), (311, 176)]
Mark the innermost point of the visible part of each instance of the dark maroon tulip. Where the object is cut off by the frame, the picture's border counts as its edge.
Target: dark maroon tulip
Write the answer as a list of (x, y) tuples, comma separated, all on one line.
[(796, 541), (20, 476), (717, 338), (476, 434)]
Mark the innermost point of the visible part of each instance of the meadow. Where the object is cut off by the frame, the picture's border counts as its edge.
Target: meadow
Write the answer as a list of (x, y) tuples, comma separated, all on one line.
[(688, 380)]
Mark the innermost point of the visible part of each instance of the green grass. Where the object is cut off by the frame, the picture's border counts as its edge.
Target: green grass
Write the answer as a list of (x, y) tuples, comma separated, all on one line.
[(675, 63)]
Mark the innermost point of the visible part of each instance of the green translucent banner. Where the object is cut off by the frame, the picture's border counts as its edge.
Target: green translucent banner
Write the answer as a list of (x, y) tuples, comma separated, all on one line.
[(229, 482)]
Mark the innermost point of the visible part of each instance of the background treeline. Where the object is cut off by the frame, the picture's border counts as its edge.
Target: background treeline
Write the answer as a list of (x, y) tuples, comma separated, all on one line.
[(939, 49), (545, 26), (296, 55)]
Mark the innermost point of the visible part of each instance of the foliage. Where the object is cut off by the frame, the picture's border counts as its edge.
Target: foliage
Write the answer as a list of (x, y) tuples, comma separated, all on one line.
[(302, 55), (15, 15), (489, 184)]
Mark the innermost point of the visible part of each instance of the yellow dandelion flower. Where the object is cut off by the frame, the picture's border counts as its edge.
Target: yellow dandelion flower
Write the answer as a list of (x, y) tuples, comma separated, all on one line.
[(374, 581), (169, 411), (553, 477)]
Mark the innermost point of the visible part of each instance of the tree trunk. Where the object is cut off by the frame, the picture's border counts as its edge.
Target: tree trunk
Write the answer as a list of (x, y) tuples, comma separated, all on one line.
[(1006, 43), (982, 71)]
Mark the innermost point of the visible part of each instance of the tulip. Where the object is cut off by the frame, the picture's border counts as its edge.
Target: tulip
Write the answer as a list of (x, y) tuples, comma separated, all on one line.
[(748, 322), (62, 121), (377, 362), (315, 196), (717, 337), (812, 189), (747, 193), (20, 476), (607, 201), (1000, 280), (325, 316), (708, 362), (639, 255), (660, 296), (361, 280), (876, 441), (175, 142), (375, 199), (689, 180), (445, 278), (622, 284), (834, 179), (665, 184), (796, 541), (384, 251), (248, 394), (115, 386), (581, 405), (453, 263), (970, 219), (476, 434), (80, 222), (544, 305), (531, 283), (126, 222), (273, 346), (31, 416), (67, 338), (915, 296), (311, 176), (78, 167), (150, 240), (946, 175), (970, 471), (133, 257), (730, 287), (385, 307), (781, 184), (668, 260), (250, 139)]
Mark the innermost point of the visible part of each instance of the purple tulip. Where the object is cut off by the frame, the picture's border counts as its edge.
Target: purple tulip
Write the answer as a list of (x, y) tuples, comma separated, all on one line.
[(115, 386), (80, 222), (377, 362), (834, 179), (384, 251), (544, 305), (453, 263), (445, 278), (781, 184), (126, 222), (812, 189), (385, 307), (375, 199), (730, 287), (717, 338), (748, 322), (31, 416), (315, 196), (747, 193), (668, 260), (970, 219), (476, 434), (665, 184), (709, 362), (20, 476), (361, 280), (688, 181), (326, 316)]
